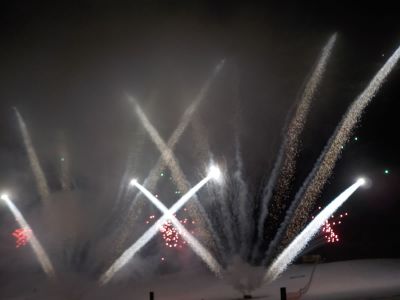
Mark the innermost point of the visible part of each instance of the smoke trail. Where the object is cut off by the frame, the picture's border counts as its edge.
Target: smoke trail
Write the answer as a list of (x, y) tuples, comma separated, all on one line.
[(132, 163), (152, 178), (284, 168), (40, 179), (196, 211), (241, 210), (33, 241), (202, 252), (149, 234), (243, 194), (300, 242), (304, 200), (166, 153), (133, 157)]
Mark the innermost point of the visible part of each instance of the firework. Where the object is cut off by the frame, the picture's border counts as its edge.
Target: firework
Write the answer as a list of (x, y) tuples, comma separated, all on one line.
[(37, 170), (41, 254), (284, 167), (171, 236), (305, 197), (300, 242), (168, 215), (22, 236), (328, 229)]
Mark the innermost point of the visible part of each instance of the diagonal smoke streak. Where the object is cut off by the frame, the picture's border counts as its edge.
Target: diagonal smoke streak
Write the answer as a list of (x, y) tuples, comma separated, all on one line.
[(299, 211), (40, 253), (284, 168), (134, 156), (132, 163), (300, 242), (153, 177), (196, 211), (243, 207), (37, 170)]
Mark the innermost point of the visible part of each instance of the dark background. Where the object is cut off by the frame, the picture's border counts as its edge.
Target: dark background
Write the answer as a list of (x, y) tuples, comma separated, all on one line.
[(66, 67)]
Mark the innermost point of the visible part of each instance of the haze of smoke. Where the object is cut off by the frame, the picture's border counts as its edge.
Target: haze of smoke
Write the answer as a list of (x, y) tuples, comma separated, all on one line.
[(298, 213), (201, 140), (39, 251), (131, 165), (64, 164), (242, 209), (225, 196), (40, 179), (149, 234), (300, 242), (284, 168), (243, 205)]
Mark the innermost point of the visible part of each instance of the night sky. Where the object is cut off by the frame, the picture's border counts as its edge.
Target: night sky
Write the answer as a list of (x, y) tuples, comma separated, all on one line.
[(67, 68)]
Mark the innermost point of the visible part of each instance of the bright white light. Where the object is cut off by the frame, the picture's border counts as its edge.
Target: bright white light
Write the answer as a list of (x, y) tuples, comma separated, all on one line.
[(361, 181), (214, 172), (4, 197), (300, 242), (152, 231), (133, 181)]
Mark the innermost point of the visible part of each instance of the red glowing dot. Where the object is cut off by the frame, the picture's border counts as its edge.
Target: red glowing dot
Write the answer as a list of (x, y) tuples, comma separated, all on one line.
[(22, 236)]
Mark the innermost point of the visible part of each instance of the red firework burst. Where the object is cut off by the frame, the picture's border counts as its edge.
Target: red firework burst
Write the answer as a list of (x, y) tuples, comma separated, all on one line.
[(328, 231), (22, 236), (171, 236)]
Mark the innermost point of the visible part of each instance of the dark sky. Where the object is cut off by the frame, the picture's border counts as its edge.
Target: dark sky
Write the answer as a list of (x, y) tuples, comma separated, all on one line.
[(67, 66)]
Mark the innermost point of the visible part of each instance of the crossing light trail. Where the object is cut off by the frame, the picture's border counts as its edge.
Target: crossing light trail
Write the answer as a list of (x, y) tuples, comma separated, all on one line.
[(300, 242), (39, 251), (214, 173), (197, 247)]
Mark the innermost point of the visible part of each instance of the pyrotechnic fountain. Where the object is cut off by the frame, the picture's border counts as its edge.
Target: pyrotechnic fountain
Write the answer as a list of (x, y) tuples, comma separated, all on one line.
[(240, 245)]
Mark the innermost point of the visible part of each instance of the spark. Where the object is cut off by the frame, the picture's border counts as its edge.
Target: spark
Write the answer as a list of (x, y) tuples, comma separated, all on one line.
[(300, 242), (284, 168), (38, 249)]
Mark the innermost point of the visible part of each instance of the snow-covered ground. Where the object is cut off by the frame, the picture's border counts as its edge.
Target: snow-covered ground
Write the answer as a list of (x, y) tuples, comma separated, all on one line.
[(358, 279)]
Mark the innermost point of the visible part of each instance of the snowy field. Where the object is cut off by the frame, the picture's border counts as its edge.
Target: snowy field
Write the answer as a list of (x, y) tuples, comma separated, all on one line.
[(358, 279)]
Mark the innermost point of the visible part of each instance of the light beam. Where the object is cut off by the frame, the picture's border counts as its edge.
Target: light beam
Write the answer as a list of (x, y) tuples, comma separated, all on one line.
[(197, 247), (300, 242), (39, 251)]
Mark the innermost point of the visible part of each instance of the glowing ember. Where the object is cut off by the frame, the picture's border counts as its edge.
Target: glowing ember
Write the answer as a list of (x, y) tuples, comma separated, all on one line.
[(330, 235), (22, 236), (170, 235)]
